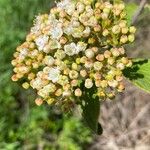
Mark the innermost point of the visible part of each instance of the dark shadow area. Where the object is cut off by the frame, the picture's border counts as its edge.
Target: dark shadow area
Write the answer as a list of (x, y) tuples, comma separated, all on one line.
[(132, 72)]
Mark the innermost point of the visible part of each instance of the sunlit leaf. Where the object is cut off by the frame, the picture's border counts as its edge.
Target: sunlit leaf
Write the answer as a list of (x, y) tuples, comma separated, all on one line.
[(139, 73)]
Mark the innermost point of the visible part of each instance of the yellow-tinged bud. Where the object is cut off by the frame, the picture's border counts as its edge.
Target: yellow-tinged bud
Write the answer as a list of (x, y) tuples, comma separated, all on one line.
[(131, 37), (107, 54), (116, 29), (100, 57), (31, 76), (132, 29), (123, 39), (124, 30), (25, 85), (105, 32), (50, 101), (58, 92)]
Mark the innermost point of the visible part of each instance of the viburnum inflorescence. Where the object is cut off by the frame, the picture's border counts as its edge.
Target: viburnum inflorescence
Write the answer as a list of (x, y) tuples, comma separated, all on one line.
[(78, 44)]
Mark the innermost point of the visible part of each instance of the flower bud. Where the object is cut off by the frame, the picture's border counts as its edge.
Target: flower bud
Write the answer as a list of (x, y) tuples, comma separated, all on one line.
[(132, 29), (98, 66), (105, 32), (100, 57), (89, 53), (73, 74), (123, 39), (38, 101), (88, 83), (50, 101), (124, 30), (116, 29), (131, 37), (83, 73), (74, 83), (58, 92), (78, 92), (25, 85), (107, 54)]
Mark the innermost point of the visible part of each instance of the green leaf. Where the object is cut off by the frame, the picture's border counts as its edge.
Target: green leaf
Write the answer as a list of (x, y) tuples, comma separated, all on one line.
[(130, 10), (91, 109), (139, 73)]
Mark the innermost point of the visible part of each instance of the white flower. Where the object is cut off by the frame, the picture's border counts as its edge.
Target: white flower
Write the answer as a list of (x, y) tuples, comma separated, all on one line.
[(67, 5), (54, 74), (63, 4), (23, 53), (68, 29), (56, 32), (41, 41), (70, 49)]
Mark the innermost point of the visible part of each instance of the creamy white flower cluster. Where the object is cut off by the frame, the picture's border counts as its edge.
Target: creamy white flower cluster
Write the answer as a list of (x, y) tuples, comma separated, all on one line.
[(79, 44)]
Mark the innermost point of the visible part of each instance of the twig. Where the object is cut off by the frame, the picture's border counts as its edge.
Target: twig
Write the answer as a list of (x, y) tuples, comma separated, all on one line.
[(138, 12)]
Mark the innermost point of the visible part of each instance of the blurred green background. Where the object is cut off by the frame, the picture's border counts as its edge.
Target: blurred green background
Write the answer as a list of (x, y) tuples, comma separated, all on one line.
[(25, 126)]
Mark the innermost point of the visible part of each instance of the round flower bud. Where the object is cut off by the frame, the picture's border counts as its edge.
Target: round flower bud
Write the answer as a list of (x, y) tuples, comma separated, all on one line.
[(123, 39), (124, 30), (83, 73), (131, 37), (115, 52), (67, 93), (132, 29), (97, 76), (58, 92), (100, 57), (38, 101), (98, 66), (116, 29), (73, 74), (89, 53), (74, 66), (103, 84), (78, 92), (74, 83), (107, 54), (80, 7), (120, 66), (14, 78), (88, 83), (113, 83), (121, 87), (105, 32), (25, 85), (50, 101)]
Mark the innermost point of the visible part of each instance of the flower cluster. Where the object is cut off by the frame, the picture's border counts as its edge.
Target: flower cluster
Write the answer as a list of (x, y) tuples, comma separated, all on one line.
[(78, 44)]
